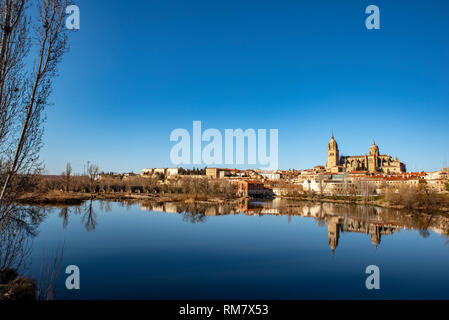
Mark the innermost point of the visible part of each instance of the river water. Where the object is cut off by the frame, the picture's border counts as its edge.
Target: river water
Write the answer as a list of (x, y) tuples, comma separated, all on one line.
[(257, 250)]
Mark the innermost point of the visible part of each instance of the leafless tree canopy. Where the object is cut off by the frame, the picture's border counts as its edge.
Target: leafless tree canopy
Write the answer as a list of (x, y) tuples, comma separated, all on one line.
[(24, 87), (67, 175)]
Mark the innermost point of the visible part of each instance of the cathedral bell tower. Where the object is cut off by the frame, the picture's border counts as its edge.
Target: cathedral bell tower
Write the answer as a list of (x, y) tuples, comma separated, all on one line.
[(332, 154), (373, 158)]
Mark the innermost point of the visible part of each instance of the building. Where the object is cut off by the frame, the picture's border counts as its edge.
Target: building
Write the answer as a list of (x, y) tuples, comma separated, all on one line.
[(371, 162), (164, 171), (250, 188), (220, 172), (271, 175), (172, 171), (327, 184), (129, 174), (286, 190), (367, 184), (437, 180)]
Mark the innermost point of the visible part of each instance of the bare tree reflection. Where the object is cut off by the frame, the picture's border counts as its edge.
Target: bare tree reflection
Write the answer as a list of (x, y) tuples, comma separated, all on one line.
[(424, 233), (105, 206), (49, 275), (76, 210), (18, 225), (15, 248), (64, 214), (89, 217), (194, 217)]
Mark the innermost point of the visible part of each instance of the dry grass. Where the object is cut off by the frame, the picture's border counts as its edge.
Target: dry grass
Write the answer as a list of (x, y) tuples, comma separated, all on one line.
[(53, 197), (20, 289)]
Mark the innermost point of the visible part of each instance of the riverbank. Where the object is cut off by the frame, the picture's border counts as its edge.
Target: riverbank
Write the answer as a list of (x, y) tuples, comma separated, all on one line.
[(13, 287), (74, 198), (376, 201)]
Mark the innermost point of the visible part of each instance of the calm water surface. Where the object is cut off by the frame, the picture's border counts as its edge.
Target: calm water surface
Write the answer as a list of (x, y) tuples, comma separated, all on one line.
[(257, 250)]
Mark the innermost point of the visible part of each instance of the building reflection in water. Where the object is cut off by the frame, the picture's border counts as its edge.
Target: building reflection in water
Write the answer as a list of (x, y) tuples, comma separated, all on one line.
[(375, 222), (333, 232)]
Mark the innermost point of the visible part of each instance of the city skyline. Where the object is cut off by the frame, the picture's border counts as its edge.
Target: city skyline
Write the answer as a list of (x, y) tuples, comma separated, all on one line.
[(307, 69), (332, 169)]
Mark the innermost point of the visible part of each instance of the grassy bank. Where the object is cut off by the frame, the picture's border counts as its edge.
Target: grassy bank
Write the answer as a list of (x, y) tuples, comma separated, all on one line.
[(13, 287), (77, 189), (434, 202), (75, 198)]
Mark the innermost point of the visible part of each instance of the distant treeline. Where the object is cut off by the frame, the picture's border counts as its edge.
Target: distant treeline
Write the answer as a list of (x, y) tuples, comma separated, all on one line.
[(416, 197), (194, 171), (136, 184)]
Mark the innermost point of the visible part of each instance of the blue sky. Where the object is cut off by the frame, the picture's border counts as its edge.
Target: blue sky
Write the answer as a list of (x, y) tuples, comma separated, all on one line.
[(139, 69)]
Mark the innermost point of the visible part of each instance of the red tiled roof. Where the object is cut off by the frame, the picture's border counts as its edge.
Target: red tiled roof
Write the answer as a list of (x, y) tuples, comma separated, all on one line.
[(252, 181)]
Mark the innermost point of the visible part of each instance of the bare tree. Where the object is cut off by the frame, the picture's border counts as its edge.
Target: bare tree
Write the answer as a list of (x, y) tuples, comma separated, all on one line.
[(67, 175), (14, 46), (33, 98), (322, 185), (92, 172)]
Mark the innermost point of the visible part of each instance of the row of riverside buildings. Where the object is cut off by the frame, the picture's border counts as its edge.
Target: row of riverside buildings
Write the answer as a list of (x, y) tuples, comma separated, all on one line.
[(316, 180), (372, 173)]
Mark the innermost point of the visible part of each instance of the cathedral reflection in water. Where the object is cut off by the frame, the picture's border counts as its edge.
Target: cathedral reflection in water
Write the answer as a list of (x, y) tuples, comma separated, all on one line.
[(372, 221)]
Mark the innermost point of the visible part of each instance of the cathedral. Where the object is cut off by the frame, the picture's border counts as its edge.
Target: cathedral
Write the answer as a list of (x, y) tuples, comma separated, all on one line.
[(371, 162)]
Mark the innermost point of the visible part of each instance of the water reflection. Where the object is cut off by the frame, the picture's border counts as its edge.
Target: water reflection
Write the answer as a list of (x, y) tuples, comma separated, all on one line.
[(18, 226), (22, 223), (339, 218), (89, 218), (373, 221), (155, 243), (191, 208)]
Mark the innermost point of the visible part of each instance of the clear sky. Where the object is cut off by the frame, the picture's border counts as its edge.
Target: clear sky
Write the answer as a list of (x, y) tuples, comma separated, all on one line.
[(139, 69)]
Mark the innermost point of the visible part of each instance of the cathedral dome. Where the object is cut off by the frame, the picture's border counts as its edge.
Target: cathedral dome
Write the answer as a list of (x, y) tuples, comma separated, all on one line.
[(373, 149)]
